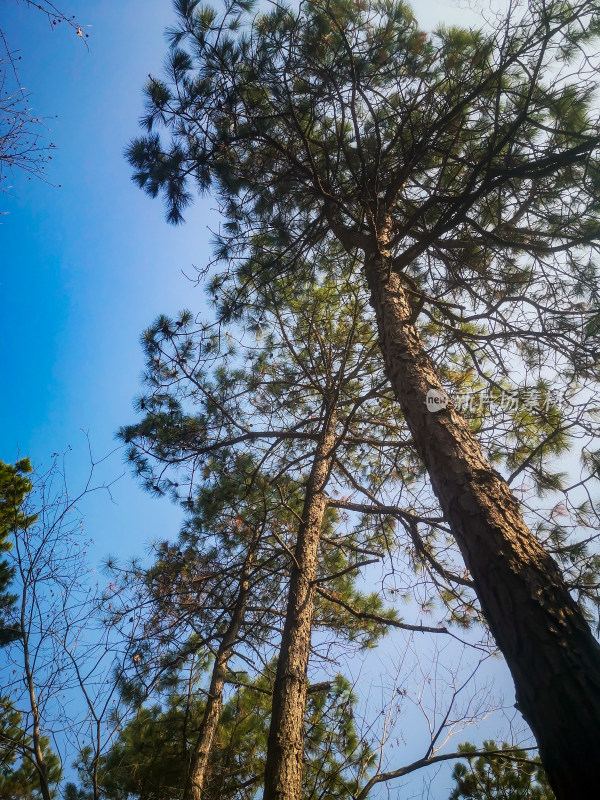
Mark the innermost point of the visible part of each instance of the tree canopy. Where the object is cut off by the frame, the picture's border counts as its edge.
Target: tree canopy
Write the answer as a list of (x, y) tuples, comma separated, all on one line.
[(461, 167)]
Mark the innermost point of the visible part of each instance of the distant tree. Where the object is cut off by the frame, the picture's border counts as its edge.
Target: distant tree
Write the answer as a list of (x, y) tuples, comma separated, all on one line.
[(514, 776), (14, 488), (221, 589), (73, 792), (47, 670), (148, 761), (19, 774), (27, 763)]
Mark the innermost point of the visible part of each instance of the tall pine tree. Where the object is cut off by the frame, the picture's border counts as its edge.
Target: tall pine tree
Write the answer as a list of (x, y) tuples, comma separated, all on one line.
[(462, 167), (302, 401)]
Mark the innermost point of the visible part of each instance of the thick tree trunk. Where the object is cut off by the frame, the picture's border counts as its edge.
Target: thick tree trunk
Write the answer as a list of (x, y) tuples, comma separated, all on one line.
[(199, 766), (549, 648), (285, 747)]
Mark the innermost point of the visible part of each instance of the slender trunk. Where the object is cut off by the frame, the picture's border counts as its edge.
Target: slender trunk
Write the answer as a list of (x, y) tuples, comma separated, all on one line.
[(36, 737), (199, 767), (95, 783), (285, 747), (549, 648), (40, 762)]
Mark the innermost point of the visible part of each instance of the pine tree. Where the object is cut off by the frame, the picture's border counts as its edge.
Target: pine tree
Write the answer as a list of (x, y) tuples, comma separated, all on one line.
[(514, 776), (19, 776), (148, 760), (462, 168), (220, 589), (308, 404), (14, 488)]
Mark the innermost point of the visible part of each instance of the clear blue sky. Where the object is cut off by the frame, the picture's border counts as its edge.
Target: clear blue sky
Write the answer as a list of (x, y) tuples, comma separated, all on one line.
[(86, 267)]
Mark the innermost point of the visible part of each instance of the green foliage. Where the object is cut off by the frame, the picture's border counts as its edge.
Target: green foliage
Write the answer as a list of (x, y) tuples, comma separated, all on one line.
[(476, 151), (19, 779), (230, 423), (149, 759), (14, 488), (516, 776)]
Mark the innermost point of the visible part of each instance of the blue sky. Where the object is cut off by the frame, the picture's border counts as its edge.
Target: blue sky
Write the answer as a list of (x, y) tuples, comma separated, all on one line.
[(86, 267)]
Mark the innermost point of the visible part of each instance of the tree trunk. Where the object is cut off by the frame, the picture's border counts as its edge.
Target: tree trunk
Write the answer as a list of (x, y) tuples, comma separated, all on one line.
[(96, 767), (285, 747), (36, 735), (550, 650), (199, 767)]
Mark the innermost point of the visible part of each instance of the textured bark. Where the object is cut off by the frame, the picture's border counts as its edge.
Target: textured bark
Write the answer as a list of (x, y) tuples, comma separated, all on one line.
[(549, 648), (285, 747), (199, 767)]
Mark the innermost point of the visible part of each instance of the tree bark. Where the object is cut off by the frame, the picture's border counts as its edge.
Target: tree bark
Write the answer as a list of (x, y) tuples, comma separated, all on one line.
[(199, 766), (285, 747), (552, 655)]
